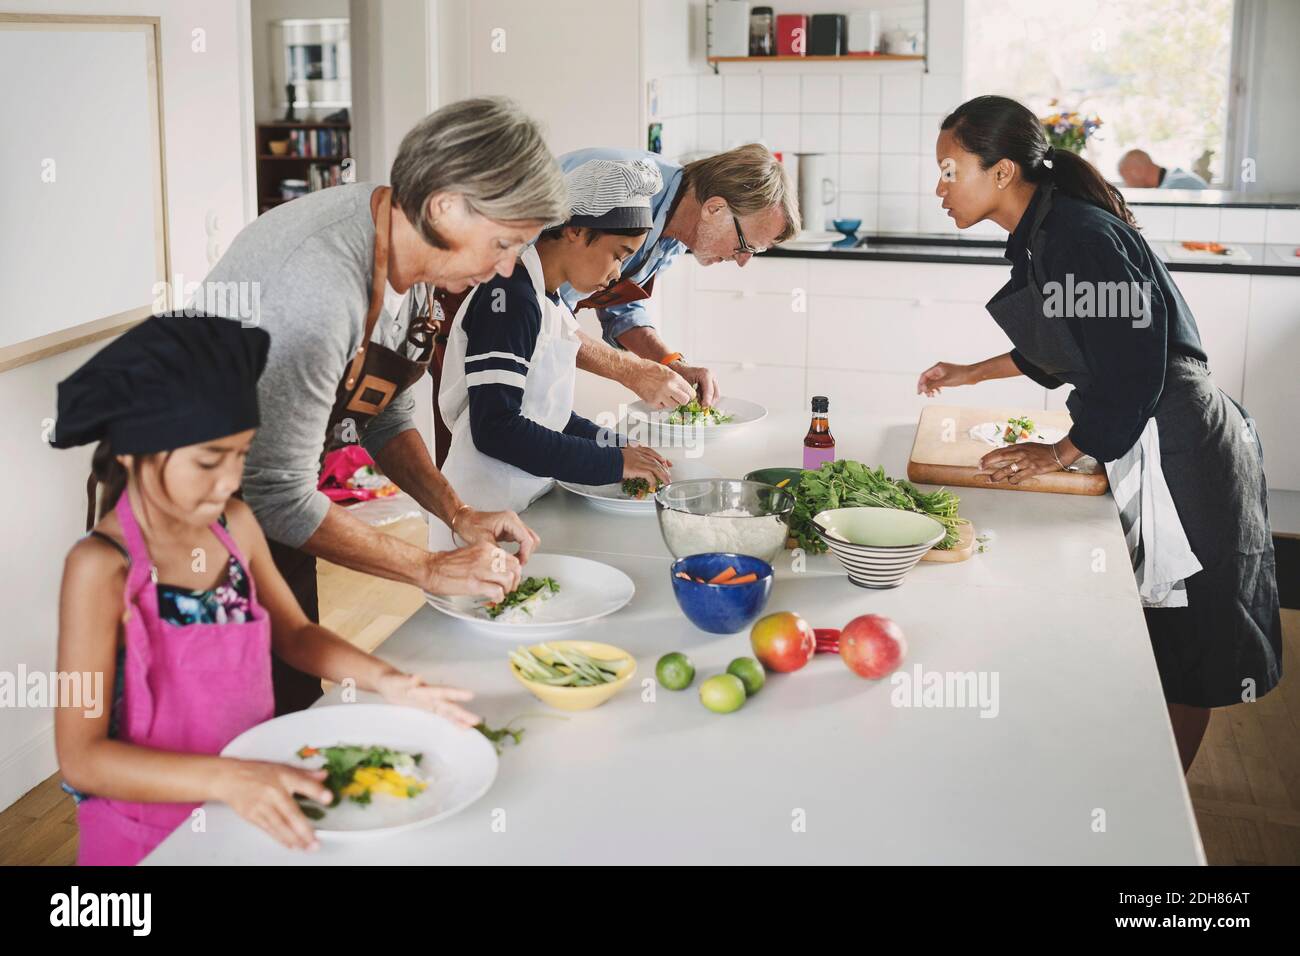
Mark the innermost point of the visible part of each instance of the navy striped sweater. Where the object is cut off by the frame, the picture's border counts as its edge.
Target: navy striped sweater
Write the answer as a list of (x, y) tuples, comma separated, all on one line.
[(498, 351)]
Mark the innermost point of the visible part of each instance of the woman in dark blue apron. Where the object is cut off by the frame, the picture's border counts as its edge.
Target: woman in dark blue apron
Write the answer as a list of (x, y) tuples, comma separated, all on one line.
[(1089, 304)]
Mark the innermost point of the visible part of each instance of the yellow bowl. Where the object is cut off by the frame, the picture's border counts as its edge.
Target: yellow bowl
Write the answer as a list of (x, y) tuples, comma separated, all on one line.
[(580, 698)]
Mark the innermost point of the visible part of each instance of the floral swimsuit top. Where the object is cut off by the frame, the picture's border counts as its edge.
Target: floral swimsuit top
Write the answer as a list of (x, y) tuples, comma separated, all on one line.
[(228, 602)]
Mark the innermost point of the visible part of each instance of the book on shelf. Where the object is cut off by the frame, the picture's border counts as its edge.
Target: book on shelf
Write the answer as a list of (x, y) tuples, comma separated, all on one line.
[(322, 175), (318, 142)]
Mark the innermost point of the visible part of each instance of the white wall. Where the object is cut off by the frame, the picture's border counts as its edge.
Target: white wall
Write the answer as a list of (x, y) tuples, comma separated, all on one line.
[(206, 113), (392, 78), (263, 14), (875, 121), (573, 64), (1273, 131)]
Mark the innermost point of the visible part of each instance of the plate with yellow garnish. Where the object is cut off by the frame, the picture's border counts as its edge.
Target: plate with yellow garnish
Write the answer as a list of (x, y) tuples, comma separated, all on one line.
[(389, 768)]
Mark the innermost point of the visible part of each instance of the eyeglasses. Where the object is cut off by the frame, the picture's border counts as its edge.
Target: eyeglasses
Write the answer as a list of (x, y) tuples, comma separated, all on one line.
[(745, 249)]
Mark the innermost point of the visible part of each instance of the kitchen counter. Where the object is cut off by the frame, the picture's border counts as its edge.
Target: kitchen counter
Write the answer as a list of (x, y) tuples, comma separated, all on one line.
[(1265, 259), (1225, 198), (1078, 766)]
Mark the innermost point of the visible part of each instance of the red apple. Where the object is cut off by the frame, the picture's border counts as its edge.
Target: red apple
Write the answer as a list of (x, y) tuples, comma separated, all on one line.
[(872, 646), (783, 642)]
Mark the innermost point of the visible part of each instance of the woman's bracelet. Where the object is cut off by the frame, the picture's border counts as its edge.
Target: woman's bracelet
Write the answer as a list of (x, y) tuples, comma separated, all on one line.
[(1057, 456), (457, 515)]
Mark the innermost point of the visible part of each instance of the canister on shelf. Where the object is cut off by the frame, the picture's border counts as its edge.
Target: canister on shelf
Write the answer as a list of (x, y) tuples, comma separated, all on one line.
[(826, 34), (762, 32), (792, 34)]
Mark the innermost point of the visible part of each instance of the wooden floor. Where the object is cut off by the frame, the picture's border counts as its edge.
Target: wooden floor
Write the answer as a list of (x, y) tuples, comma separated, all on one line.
[(1245, 785)]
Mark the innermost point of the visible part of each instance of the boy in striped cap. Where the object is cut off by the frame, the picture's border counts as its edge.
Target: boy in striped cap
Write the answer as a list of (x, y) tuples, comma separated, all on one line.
[(508, 378)]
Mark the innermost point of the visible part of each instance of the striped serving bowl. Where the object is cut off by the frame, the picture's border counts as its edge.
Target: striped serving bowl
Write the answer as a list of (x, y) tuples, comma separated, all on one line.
[(877, 546)]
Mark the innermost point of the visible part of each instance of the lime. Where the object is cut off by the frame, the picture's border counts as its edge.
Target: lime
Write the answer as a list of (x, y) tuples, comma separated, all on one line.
[(750, 673), (723, 693), (675, 671)]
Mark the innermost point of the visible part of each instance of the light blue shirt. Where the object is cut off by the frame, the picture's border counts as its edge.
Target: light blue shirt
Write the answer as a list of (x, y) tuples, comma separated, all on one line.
[(655, 253), (1182, 179)]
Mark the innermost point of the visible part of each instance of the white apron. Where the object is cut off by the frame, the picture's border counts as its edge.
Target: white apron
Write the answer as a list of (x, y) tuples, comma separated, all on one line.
[(485, 483)]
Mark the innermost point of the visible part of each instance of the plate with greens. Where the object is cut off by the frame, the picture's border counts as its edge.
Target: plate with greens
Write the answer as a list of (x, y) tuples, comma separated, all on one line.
[(637, 495), (1012, 431), (557, 592), (668, 426), (390, 768)]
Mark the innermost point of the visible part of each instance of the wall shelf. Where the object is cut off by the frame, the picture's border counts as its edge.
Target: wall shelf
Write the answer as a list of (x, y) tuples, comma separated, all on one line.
[(842, 58)]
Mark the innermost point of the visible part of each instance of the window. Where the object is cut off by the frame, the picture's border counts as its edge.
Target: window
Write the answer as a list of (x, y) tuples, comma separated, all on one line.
[(1156, 72)]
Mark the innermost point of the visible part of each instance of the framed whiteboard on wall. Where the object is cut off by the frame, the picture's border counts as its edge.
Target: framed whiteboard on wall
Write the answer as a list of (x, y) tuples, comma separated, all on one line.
[(83, 198)]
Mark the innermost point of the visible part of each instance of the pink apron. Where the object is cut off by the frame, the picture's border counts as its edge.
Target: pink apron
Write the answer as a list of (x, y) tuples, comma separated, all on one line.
[(190, 689)]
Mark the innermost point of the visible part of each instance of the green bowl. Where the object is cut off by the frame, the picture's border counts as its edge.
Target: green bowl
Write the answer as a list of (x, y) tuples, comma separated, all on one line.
[(774, 476), (879, 527)]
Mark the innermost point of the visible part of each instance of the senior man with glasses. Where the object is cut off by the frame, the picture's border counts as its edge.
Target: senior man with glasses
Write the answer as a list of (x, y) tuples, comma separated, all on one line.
[(726, 208)]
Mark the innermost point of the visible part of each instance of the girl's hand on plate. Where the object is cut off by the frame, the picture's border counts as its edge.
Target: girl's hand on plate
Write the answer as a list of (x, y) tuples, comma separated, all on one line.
[(262, 793), (410, 690)]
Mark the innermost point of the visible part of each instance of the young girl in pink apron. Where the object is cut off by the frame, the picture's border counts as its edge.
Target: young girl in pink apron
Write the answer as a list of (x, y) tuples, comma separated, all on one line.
[(186, 664)]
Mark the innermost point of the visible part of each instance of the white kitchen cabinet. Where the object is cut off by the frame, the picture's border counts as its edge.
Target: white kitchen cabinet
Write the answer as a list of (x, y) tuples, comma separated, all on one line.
[(778, 387), (917, 281), (1272, 379), (899, 335), (1220, 305), (775, 274), (756, 327)]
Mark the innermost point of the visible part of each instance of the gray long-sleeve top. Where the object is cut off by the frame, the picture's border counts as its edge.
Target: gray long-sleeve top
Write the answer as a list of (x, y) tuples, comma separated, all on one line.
[(307, 265)]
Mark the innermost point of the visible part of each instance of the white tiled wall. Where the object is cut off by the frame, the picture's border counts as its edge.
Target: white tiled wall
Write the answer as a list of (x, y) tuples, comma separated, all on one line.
[(876, 121), (1225, 225), (877, 127)]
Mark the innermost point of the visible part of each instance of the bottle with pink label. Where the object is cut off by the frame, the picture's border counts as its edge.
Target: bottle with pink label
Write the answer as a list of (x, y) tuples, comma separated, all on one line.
[(819, 443)]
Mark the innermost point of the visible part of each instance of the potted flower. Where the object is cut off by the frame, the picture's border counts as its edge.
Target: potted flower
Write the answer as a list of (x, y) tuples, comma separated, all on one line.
[(1070, 130)]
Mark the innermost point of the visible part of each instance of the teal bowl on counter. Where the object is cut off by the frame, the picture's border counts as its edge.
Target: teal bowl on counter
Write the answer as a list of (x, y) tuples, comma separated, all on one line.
[(774, 477), (877, 546)]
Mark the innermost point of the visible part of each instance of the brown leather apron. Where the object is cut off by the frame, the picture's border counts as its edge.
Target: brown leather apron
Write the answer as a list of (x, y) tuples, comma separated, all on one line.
[(374, 376)]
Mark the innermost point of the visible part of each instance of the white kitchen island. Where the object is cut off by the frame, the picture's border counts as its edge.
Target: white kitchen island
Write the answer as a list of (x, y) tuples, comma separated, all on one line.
[(1077, 765)]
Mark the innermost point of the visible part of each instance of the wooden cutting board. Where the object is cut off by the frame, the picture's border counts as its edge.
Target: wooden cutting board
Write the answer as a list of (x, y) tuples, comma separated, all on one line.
[(960, 551), (944, 453)]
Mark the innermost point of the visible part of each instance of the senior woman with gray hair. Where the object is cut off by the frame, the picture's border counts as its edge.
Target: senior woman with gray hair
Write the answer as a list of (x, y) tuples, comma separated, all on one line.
[(344, 279)]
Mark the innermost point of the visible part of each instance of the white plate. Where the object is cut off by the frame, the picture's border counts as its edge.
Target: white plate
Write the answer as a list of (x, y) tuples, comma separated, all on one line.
[(611, 498), (652, 429), (991, 432), (588, 590), (1176, 250), (459, 765)]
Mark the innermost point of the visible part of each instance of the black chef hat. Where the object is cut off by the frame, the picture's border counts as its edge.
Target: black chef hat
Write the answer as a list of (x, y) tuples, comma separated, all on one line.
[(171, 381)]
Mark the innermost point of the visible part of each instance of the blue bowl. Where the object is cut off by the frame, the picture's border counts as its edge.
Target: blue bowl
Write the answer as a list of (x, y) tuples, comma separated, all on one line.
[(847, 226), (721, 608)]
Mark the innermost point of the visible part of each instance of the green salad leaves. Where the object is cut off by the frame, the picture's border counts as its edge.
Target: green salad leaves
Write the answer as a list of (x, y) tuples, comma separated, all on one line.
[(851, 484)]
